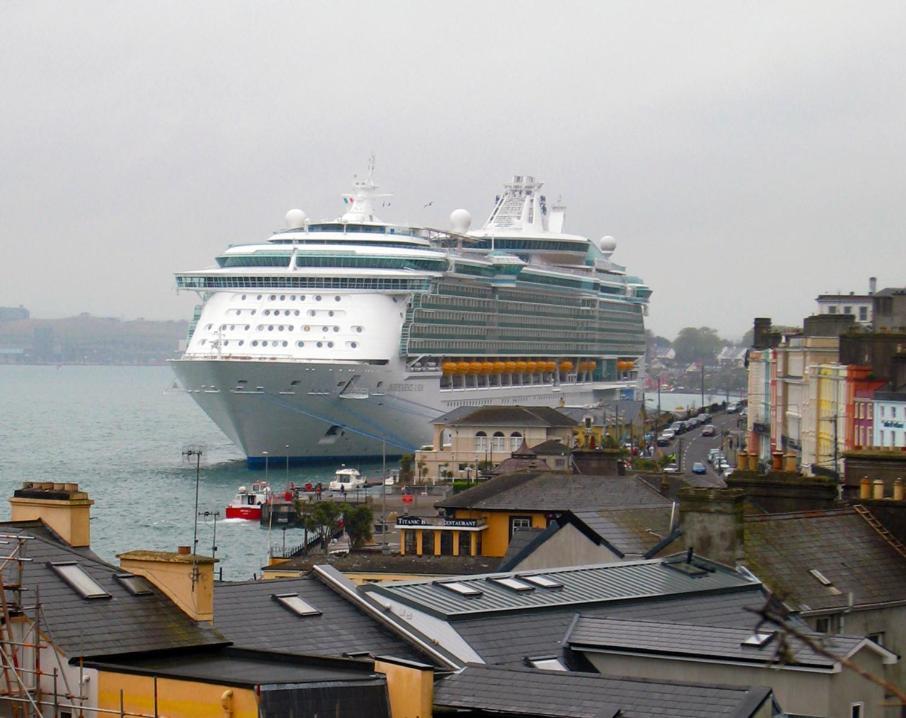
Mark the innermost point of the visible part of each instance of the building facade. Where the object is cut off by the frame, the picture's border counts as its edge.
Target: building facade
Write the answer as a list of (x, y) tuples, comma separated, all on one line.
[(889, 424)]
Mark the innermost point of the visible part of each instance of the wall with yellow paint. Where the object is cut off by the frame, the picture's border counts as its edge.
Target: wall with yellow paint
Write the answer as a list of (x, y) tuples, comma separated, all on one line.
[(174, 697), (411, 689), (495, 539)]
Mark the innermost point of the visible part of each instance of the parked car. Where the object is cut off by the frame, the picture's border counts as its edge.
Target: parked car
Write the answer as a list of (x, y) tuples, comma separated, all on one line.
[(732, 408), (728, 472), (709, 430), (671, 469), (699, 468), (712, 455)]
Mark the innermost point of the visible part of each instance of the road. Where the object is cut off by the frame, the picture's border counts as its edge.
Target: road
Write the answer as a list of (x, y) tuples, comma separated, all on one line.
[(695, 447)]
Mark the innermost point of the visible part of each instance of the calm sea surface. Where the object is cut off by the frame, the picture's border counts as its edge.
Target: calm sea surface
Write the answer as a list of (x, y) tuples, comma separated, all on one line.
[(119, 432)]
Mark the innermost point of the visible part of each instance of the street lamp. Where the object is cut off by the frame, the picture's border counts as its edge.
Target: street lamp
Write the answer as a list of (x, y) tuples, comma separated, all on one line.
[(190, 454)]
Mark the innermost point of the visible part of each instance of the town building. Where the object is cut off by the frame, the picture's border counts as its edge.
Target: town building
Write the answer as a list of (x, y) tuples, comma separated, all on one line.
[(889, 419), (469, 440), (889, 307), (860, 306)]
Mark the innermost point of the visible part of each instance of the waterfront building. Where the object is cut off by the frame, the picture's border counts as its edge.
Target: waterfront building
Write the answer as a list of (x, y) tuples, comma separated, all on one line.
[(889, 420), (889, 307), (469, 441)]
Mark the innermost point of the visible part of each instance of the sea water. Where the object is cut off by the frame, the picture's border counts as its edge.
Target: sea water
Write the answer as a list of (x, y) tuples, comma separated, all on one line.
[(120, 432)]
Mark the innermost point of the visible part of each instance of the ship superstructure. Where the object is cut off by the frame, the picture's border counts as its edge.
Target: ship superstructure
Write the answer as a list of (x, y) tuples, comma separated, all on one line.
[(346, 338)]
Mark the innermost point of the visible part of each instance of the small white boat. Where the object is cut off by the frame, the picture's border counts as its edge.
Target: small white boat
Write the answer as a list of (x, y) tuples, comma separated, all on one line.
[(347, 479)]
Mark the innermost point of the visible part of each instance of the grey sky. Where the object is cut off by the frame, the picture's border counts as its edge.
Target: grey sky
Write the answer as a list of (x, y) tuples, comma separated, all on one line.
[(746, 156)]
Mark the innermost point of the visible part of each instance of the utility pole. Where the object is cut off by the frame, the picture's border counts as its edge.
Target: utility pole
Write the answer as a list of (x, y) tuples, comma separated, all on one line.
[(703, 384), (657, 419)]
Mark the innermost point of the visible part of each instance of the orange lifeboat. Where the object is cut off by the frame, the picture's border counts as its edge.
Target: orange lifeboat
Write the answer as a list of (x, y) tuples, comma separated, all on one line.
[(450, 367), (531, 367), (510, 366), (521, 366), (465, 368), (499, 367), (566, 365), (487, 367)]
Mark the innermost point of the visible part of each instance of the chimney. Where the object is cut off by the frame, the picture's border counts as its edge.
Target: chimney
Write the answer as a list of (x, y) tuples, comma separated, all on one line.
[(64, 508), (712, 522), (172, 572), (872, 285), (761, 332)]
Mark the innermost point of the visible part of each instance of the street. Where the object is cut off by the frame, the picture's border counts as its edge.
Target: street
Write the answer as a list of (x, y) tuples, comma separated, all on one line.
[(694, 447)]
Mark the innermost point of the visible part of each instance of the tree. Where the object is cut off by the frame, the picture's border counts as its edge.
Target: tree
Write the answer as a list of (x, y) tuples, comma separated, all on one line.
[(700, 344), (748, 338), (321, 518), (406, 463), (358, 520)]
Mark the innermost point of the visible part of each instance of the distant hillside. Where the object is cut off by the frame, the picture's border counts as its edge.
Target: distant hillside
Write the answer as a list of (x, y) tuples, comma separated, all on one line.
[(87, 339)]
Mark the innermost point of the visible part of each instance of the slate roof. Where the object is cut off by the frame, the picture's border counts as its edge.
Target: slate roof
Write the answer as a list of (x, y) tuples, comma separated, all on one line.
[(659, 638), (531, 692), (544, 416), (247, 614), (580, 585), (551, 447), (510, 638), (633, 531), (781, 549), (81, 627), (552, 491)]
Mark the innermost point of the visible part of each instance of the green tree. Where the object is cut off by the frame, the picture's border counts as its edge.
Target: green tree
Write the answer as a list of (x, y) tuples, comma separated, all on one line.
[(321, 518), (693, 344), (358, 520), (407, 461), (748, 338)]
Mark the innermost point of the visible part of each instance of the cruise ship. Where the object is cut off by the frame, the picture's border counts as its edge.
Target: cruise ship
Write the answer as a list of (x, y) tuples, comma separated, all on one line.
[(345, 338)]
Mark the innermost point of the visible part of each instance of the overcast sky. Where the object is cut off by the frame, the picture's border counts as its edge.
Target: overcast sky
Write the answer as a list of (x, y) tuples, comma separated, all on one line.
[(746, 156)]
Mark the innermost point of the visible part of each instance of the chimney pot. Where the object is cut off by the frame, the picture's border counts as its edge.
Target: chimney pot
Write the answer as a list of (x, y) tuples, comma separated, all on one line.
[(898, 490), (878, 486), (865, 488), (183, 550)]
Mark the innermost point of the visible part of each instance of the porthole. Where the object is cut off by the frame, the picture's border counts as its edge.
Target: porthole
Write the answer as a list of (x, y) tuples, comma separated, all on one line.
[(270, 328), (337, 298), (247, 327), (255, 343), (241, 342), (300, 344), (320, 344), (330, 344), (282, 297), (285, 343), (280, 328), (311, 312), (336, 329), (306, 328), (318, 298), (297, 312), (292, 297), (358, 329), (202, 342), (273, 297), (243, 296), (302, 298), (325, 328), (330, 313), (353, 345), (254, 312), (259, 296), (210, 325), (267, 312), (290, 327), (226, 343)]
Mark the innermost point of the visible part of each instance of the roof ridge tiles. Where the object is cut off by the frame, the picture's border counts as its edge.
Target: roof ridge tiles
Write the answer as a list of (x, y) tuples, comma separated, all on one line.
[(816, 513)]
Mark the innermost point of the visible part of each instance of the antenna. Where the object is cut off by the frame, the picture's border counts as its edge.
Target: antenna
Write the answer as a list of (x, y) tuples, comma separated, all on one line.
[(195, 453)]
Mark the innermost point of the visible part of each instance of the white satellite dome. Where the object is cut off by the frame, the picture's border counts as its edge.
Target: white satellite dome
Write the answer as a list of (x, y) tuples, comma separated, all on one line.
[(460, 220), (295, 219), (607, 244)]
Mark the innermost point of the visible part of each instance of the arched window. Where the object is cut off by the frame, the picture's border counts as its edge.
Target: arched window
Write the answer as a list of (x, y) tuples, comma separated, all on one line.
[(481, 441), (498, 442), (515, 441)]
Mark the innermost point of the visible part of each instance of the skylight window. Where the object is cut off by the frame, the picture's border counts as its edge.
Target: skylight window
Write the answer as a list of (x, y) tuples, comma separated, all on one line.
[(296, 604), (460, 588), (514, 584), (758, 639), (78, 580), (542, 581), (136, 585), (546, 663), (825, 581)]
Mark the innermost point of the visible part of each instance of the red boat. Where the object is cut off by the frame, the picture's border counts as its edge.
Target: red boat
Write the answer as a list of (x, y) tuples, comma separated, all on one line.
[(247, 502)]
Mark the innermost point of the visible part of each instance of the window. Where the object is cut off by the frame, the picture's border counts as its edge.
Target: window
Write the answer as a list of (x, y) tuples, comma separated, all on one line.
[(546, 663), (481, 441), (832, 309), (136, 585), (542, 581), (458, 587), (515, 441), (296, 604), (863, 314), (78, 580), (499, 441), (519, 522), (855, 710), (877, 637), (847, 310), (514, 584)]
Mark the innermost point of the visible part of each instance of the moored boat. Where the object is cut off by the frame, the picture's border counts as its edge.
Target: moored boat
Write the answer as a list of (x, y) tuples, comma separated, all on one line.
[(248, 501)]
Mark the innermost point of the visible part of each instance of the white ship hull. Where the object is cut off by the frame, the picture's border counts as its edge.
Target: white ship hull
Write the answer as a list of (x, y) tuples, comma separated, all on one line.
[(317, 411)]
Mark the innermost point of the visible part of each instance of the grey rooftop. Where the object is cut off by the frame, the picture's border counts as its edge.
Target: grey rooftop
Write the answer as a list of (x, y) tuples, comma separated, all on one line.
[(531, 692), (576, 586)]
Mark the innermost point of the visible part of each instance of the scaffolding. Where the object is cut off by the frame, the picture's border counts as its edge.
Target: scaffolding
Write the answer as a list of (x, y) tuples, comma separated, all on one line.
[(28, 689)]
